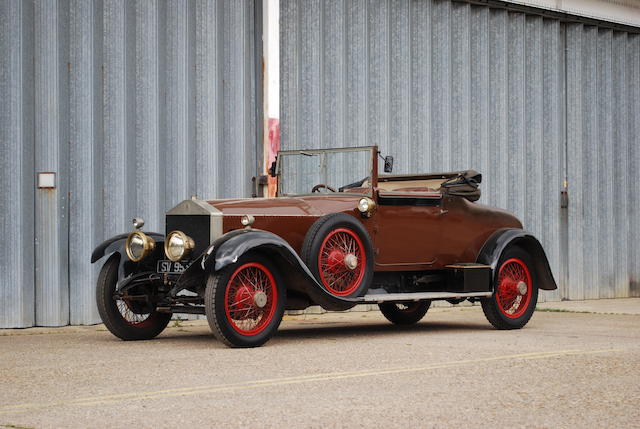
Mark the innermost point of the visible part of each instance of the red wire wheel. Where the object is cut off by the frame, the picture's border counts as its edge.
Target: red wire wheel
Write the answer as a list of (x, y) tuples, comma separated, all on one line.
[(250, 299), (133, 318), (124, 317), (514, 290), (341, 261)]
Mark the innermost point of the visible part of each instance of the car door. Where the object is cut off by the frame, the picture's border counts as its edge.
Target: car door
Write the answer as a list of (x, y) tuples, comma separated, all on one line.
[(408, 229)]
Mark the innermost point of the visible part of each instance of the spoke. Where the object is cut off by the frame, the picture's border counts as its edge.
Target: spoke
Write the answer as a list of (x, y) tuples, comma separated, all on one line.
[(247, 278), (249, 298), (340, 278), (128, 315)]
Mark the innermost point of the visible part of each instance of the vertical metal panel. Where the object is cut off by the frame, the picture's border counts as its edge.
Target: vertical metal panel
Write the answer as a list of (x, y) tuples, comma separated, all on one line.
[(208, 96), (238, 148), (399, 75), (85, 141), (289, 35), (179, 106), (619, 285), (17, 287), (550, 175), (479, 105), (533, 125), (148, 153), (601, 149), (633, 131), (447, 85), (51, 154), (138, 105), (460, 60), (117, 128), (497, 174), (516, 112), (418, 149), (357, 76), (441, 87), (378, 93), (574, 162), (333, 71)]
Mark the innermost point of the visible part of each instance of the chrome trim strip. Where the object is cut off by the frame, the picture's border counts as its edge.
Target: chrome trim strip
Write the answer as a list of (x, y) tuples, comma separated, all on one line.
[(421, 295)]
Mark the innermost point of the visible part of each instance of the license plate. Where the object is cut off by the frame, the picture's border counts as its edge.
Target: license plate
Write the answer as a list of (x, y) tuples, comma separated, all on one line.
[(170, 267)]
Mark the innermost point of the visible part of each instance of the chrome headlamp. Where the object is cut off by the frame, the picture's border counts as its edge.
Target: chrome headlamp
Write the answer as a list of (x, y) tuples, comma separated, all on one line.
[(178, 245), (139, 245), (366, 206)]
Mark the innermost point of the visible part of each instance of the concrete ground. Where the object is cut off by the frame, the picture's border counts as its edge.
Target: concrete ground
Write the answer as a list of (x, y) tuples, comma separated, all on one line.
[(564, 369), (599, 306)]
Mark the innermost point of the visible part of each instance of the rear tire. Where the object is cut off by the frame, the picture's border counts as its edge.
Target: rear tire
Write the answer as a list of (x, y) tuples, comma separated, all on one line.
[(515, 291), (401, 313), (244, 302), (120, 317)]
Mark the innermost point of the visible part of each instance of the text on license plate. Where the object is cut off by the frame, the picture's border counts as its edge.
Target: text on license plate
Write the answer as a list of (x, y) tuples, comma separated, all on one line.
[(170, 267)]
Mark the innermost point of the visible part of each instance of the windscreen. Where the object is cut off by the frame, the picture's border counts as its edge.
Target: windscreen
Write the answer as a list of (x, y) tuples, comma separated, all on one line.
[(346, 170)]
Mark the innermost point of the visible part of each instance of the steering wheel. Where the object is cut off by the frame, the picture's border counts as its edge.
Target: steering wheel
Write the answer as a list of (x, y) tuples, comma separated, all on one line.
[(322, 185)]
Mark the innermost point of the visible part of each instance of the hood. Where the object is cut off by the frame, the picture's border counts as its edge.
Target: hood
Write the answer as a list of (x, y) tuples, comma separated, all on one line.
[(293, 206)]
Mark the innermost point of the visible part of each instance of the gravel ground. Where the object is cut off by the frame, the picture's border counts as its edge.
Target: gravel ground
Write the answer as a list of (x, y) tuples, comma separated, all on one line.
[(332, 370)]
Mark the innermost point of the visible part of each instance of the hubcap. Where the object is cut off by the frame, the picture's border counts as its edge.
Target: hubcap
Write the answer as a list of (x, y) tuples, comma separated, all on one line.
[(351, 261), (260, 299), (522, 288)]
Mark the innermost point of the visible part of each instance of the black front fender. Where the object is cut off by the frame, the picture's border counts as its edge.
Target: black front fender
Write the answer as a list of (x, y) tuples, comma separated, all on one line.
[(230, 247), (503, 238), (126, 268), (117, 243)]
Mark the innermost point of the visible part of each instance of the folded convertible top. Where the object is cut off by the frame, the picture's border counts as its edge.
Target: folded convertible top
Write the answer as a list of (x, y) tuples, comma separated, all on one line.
[(465, 184)]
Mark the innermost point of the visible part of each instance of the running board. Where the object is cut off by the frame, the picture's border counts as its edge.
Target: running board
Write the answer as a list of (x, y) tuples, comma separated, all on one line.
[(419, 296)]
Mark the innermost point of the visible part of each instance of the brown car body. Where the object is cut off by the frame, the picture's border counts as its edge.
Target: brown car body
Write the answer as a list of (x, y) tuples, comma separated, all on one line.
[(423, 242), (405, 237)]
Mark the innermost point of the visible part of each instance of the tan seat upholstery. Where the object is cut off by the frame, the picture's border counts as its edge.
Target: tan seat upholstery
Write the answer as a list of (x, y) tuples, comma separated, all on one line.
[(426, 185)]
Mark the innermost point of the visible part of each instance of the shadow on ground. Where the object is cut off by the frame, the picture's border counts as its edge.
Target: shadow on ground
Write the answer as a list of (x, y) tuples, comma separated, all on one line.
[(312, 330)]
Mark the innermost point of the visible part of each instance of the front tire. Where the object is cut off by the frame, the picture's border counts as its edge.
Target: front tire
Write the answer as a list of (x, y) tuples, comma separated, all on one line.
[(401, 313), (338, 251), (125, 319), (515, 291), (244, 302)]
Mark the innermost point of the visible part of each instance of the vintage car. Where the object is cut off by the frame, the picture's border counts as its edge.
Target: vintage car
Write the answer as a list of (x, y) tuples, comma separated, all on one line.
[(338, 234)]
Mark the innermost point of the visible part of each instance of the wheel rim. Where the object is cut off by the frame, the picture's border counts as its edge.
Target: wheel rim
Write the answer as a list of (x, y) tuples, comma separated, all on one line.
[(138, 320), (341, 261), (250, 298), (514, 288)]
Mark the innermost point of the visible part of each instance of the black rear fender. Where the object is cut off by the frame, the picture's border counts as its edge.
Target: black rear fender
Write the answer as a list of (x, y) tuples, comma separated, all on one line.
[(504, 238)]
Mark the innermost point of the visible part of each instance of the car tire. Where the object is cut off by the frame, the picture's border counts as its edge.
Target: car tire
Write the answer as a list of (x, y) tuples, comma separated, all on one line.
[(324, 255), (118, 316), (404, 313), (252, 286), (511, 306)]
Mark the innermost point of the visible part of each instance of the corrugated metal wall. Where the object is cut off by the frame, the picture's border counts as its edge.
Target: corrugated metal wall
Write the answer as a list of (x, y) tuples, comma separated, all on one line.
[(445, 85), (603, 117), (139, 104), (135, 105)]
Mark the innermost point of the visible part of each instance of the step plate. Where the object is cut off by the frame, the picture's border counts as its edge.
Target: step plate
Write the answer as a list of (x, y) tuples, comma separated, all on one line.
[(421, 296)]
